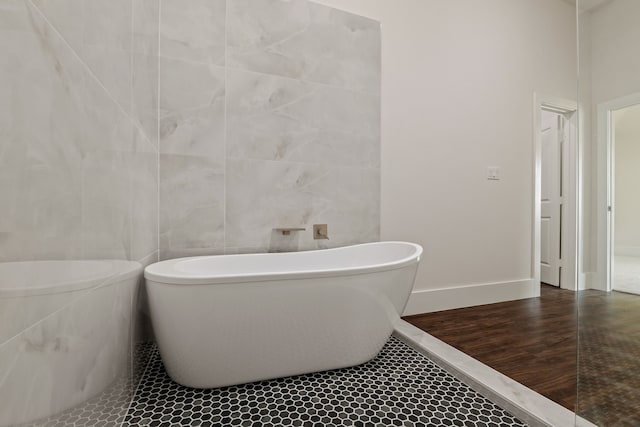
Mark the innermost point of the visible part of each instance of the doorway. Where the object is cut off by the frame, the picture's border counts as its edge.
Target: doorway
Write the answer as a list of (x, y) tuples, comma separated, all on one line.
[(555, 229), (618, 220), (552, 138)]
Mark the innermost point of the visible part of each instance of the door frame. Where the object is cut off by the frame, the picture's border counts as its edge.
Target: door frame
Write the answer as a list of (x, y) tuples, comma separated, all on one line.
[(571, 175), (605, 207)]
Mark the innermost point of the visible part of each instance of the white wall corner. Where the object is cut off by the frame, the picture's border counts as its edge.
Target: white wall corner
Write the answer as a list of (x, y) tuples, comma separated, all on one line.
[(593, 280), (429, 300)]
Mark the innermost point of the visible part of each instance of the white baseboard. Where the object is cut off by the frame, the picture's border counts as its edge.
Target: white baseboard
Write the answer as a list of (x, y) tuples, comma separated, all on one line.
[(583, 281), (429, 300), (586, 281)]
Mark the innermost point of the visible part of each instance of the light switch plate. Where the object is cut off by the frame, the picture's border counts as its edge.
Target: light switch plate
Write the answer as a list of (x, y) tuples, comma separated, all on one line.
[(493, 173)]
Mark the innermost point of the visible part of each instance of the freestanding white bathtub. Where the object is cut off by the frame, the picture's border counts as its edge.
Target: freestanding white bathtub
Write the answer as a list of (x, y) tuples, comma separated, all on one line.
[(233, 319), (65, 329)]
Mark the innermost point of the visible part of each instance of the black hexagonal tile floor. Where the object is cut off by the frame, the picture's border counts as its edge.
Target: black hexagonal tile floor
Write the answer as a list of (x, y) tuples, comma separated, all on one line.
[(400, 387)]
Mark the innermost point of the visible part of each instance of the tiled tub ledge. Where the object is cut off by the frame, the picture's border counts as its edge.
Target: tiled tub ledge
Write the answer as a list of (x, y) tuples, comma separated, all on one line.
[(524, 403), (109, 408)]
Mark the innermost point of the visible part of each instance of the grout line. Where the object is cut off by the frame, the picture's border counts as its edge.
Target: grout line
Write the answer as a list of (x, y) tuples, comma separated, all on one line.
[(158, 93), (226, 101), (193, 110), (133, 162), (191, 61), (298, 162), (305, 81), (131, 59)]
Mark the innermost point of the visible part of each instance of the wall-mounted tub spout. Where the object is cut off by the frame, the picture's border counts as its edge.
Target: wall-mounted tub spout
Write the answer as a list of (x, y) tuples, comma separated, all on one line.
[(287, 230)]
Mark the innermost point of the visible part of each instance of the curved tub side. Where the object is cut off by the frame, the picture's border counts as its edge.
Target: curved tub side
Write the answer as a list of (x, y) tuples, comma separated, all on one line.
[(225, 334), (69, 355)]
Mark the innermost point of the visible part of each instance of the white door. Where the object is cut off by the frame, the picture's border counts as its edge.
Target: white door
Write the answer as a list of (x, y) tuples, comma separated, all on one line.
[(551, 197)]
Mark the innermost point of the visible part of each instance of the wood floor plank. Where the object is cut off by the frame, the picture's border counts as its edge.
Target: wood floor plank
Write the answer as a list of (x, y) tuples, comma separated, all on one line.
[(563, 345)]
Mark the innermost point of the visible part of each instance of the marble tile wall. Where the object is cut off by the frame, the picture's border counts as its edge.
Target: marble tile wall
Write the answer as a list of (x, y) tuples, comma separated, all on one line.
[(269, 117), (192, 112), (139, 129), (79, 146), (78, 150)]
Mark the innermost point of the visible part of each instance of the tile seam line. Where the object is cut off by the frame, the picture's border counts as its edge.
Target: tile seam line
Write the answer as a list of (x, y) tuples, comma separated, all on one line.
[(225, 131), (227, 65), (158, 142), (305, 81), (239, 68), (134, 163), (292, 162)]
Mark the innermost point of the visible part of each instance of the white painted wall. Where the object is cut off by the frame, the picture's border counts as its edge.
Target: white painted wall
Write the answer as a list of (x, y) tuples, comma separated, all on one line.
[(615, 61), (627, 177), (458, 79), (588, 224), (609, 69)]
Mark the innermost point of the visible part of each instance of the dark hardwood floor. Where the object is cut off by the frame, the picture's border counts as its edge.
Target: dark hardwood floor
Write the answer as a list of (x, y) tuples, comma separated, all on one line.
[(581, 350), (609, 359)]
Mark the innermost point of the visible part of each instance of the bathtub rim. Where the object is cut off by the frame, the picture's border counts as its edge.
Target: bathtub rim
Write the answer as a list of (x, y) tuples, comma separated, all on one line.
[(152, 274)]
